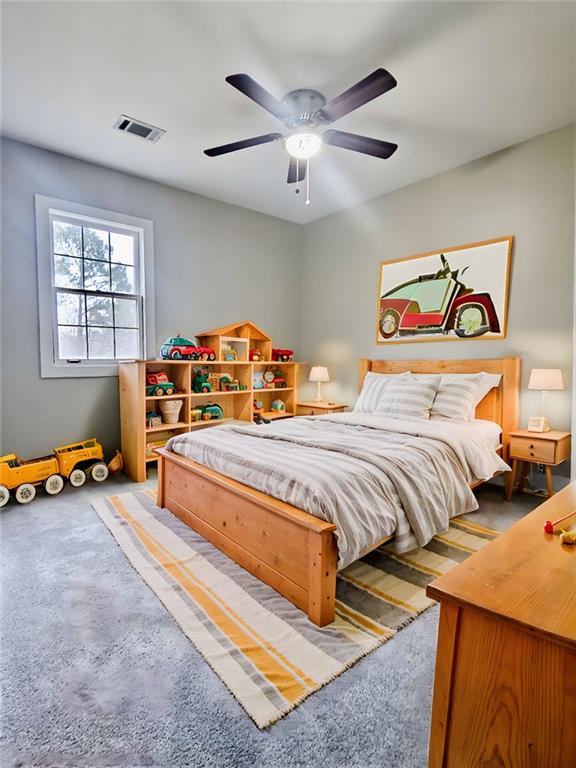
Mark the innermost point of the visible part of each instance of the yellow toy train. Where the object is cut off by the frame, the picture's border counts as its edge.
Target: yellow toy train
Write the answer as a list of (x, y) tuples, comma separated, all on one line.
[(76, 462)]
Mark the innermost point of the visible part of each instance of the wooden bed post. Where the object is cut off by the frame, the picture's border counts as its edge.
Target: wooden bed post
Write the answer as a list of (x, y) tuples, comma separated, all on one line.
[(510, 400), (322, 564), (365, 366), (161, 490)]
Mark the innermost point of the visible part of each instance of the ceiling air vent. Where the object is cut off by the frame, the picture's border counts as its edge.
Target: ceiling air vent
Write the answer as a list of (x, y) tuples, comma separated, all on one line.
[(138, 128)]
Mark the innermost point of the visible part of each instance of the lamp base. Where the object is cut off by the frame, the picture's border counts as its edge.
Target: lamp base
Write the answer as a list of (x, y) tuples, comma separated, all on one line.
[(318, 398)]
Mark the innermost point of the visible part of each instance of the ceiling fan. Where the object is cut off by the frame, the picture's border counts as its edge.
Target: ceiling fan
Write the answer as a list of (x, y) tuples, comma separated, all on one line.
[(305, 113)]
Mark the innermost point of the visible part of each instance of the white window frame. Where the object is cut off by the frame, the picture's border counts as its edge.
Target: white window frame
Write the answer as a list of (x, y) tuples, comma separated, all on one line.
[(46, 207)]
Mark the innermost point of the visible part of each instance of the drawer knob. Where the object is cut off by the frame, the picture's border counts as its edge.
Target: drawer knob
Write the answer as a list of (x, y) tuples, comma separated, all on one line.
[(531, 454), (530, 446)]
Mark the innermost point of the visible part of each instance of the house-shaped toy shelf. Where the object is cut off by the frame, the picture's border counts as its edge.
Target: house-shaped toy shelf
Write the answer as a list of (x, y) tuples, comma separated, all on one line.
[(259, 385), (235, 341)]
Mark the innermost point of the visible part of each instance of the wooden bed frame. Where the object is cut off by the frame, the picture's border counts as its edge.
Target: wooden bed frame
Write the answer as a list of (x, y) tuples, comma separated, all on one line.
[(290, 550)]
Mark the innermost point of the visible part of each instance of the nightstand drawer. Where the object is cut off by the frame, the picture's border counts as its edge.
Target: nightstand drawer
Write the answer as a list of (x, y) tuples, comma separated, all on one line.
[(308, 410), (533, 449)]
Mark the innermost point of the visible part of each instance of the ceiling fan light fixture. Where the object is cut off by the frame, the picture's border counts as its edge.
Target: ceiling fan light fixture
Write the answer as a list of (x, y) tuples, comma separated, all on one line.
[(303, 145)]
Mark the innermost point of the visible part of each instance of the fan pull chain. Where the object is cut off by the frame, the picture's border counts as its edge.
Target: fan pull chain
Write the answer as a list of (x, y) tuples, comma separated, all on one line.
[(307, 181)]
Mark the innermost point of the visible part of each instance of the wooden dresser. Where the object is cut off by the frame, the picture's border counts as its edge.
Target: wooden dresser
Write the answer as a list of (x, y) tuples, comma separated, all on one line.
[(505, 684)]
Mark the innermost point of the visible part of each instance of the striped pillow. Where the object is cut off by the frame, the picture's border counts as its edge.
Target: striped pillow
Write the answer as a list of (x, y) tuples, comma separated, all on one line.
[(456, 398), (372, 390), (409, 398)]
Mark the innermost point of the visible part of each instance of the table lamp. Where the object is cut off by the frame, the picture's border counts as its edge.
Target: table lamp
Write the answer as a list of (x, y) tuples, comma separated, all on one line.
[(319, 374), (544, 379)]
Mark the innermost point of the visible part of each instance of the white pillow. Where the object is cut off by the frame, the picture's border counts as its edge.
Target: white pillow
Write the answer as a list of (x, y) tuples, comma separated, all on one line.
[(455, 398), (485, 382), (408, 398), (372, 389)]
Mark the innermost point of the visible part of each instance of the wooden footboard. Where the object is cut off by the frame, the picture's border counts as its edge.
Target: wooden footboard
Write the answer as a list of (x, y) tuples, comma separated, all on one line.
[(293, 552)]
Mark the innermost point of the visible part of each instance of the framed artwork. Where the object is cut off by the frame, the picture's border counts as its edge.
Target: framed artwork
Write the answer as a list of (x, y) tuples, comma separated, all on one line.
[(448, 295)]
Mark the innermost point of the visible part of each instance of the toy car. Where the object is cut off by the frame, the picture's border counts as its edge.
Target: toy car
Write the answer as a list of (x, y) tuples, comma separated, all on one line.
[(158, 384), (282, 355), (274, 379), (211, 411), (74, 462), (179, 348), (258, 413), (437, 303), (200, 382)]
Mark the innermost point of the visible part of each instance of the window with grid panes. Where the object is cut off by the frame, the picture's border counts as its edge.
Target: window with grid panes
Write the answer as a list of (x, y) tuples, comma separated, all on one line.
[(96, 285)]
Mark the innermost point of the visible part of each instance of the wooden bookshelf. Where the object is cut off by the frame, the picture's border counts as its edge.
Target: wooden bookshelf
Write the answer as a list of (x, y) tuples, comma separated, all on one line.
[(237, 405)]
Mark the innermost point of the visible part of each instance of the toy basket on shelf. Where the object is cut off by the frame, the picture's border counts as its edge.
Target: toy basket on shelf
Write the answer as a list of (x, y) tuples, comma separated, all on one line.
[(170, 410)]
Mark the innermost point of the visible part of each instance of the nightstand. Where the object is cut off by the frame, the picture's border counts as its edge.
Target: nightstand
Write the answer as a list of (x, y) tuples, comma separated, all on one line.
[(547, 448), (318, 408)]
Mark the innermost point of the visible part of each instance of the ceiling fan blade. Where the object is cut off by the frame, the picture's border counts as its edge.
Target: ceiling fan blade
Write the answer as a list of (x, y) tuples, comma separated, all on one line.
[(249, 87), (244, 144), (374, 147), (372, 86), (296, 171)]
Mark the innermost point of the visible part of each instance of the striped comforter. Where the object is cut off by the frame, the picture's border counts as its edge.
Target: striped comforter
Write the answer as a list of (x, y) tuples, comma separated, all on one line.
[(372, 476)]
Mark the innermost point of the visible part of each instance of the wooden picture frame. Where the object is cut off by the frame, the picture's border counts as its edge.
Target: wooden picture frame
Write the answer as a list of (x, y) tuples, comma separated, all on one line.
[(537, 424), (427, 297)]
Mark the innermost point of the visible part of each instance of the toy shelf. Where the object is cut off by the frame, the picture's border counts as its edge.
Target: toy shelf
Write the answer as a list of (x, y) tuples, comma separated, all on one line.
[(167, 427), (236, 404), (214, 395), (178, 396), (273, 415)]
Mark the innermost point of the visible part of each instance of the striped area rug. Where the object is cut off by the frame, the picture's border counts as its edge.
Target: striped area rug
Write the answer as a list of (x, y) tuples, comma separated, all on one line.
[(266, 651)]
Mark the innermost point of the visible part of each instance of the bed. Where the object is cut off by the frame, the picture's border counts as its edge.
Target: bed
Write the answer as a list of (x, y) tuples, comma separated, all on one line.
[(296, 552)]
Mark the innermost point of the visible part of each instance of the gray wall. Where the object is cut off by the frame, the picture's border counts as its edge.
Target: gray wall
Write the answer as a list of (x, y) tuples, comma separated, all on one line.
[(313, 287), (526, 191), (215, 263)]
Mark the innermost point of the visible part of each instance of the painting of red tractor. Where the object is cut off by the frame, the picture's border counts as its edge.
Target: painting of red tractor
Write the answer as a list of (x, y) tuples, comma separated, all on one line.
[(459, 293)]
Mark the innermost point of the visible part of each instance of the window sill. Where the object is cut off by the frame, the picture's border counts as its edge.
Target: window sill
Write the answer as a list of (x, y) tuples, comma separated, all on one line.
[(81, 371)]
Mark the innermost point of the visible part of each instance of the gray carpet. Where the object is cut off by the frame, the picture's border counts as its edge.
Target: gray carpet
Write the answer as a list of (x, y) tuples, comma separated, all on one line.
[(96, 673)]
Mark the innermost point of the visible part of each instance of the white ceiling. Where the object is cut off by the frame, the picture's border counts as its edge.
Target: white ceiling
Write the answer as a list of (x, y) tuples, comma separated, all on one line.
[(472, 78)]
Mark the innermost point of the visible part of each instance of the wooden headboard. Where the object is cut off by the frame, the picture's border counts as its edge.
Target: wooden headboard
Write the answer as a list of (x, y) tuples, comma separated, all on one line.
[(501, 404)]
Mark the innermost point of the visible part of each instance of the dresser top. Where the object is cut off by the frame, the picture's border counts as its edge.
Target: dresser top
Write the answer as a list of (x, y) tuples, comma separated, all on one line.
[(524, 576), (553, 434), (323, 404)]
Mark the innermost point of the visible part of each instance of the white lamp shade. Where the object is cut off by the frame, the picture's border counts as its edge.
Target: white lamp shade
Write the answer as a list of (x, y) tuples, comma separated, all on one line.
[(546, 379), (319, 373)]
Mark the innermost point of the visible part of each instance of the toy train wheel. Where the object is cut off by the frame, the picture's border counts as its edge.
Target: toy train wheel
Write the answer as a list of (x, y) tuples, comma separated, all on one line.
[(212, 356), (99, 472), (53, 484), (4, 495), (170, 390), (158, 391), (176, 354), (77, 477), (25, 493)]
